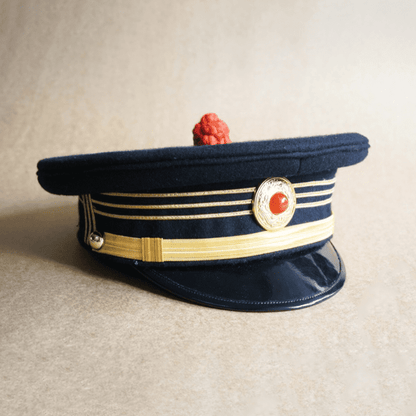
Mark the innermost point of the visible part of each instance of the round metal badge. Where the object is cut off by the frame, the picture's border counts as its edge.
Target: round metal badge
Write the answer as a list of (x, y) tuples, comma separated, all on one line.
[(274, 203)]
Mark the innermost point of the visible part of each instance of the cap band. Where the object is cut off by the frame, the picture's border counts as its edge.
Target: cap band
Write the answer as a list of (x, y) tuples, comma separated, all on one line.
[(99, 207), (221, 248), (215, 204)]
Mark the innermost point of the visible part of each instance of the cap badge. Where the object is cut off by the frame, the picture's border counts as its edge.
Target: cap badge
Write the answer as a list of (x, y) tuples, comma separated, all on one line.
[(274, 203)]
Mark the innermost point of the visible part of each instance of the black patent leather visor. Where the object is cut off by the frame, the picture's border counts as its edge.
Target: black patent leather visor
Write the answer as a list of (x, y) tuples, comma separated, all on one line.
[(263, 285)]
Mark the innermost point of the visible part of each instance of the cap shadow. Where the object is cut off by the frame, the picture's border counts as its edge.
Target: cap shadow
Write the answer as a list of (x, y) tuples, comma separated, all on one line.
[(50, 233)]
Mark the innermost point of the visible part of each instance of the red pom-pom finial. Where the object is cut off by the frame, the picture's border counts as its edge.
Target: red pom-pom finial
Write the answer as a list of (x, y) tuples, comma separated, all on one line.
[(211, 130)]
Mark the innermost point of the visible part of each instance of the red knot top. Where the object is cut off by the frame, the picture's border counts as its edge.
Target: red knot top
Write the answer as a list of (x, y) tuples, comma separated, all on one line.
[(211, 130)]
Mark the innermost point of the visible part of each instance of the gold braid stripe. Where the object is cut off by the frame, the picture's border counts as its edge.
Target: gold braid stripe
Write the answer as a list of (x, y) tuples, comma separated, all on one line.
[(89, 218), (310, 194), (218, 192), (221, 248), (174, 217), (176, 206), (180, 194), (314, 183), (86, 224), (314, 204), (91, 211)]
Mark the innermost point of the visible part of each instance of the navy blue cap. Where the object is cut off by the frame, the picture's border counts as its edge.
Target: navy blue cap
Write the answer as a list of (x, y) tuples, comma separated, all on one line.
[(241, 226)]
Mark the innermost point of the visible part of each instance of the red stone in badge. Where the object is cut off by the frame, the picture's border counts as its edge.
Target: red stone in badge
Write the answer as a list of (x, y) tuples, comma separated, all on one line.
[(278, 203)]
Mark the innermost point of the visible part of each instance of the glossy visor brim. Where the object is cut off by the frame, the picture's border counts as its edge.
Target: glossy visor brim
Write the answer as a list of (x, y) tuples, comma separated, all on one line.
[(262, 285)]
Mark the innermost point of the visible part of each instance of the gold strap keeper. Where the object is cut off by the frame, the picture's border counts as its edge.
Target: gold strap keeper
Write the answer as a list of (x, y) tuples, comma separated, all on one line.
[(152, 250)]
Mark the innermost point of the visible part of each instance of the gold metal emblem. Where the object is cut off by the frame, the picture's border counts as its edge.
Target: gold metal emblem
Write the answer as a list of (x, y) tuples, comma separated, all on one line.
[(95, 240), (274, 203)]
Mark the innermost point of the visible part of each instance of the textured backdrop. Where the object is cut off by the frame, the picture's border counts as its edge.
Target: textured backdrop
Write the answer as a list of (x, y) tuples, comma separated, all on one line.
[(86, 76)]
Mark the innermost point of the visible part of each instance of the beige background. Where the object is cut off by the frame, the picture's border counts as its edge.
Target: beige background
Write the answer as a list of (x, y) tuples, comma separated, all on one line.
[(86, 76)]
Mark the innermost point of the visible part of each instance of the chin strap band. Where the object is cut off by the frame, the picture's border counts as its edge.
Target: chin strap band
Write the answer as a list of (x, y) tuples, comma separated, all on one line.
[(157, 250)]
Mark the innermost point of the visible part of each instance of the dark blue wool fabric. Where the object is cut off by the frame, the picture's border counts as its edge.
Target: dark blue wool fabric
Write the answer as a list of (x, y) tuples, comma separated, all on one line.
[(179, 167)]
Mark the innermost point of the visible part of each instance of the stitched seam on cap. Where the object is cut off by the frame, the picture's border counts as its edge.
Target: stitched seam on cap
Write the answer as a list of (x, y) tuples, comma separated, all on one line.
[(284, 153), (182, 163)]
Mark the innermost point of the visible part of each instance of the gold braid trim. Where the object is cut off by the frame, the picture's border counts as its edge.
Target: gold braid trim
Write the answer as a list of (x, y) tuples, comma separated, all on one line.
[(221, 248)]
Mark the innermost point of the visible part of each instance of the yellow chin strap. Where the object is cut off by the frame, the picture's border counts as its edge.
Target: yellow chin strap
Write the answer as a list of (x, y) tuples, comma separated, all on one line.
[(220, 248)]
